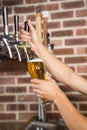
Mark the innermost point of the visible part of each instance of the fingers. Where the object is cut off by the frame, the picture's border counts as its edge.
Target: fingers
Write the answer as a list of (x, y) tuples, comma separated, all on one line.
[(31, 26), (36, 81)]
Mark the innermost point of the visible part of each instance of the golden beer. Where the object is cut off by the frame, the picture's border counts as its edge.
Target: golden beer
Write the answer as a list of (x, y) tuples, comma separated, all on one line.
[(36, 68)]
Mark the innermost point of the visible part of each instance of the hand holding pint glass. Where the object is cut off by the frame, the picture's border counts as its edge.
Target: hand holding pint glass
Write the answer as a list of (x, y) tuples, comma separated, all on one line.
[(36, 70)]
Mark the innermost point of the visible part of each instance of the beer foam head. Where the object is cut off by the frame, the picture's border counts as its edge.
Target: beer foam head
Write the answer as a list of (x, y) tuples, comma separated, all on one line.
[(36, 60)]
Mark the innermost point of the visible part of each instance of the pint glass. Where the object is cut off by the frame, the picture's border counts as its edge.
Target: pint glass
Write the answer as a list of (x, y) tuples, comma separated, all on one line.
[(36, 70)]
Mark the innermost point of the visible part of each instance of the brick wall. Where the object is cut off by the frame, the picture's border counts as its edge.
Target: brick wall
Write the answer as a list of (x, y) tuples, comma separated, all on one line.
[(68, 28)]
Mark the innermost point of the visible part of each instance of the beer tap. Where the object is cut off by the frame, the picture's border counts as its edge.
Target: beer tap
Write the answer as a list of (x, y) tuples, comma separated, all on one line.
[(46, 35), (38, 23), (50, 46), (45, 28), (17, 42), (26, 45), (6, 35)]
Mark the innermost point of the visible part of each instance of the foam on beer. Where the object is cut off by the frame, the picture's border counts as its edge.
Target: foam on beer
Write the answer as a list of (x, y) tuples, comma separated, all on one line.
[(36, 60)]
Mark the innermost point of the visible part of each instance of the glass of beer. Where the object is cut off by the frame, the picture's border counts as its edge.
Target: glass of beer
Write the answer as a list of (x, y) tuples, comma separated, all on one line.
[(36, 70)]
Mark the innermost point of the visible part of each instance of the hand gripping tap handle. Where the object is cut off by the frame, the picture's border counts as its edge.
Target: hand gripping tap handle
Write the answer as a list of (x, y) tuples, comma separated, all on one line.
[(26, 28), (16, 26), (5, 19)]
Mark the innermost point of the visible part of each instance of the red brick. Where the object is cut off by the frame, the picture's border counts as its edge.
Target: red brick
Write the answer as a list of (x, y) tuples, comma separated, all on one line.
[(62, 15), (49, 107), (72, 4), (74, 23), (65, 51), (33, 107), (1, 29), (62, 33), (49, 7), (77, 97), (56, 0), (11, 2), (81, 50), (15, 89), (10, 19), (7, 116), (1, 89), (17, 73), (0, 20), (81, 31), (53, 25), (31, 17), (76, 60), (57, 42), (65, 88), (23, 80), (16, 107), (27, 116), (82, 69), (35, 1), (5, 80), (22, 10), (1, 107), (5, 98), (30, 89), (2, 73), (27, 98), (53, 116), (81, 13), (83, 107), (79, 41)]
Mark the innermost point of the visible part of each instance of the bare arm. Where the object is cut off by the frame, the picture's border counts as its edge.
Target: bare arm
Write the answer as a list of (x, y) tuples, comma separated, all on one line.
[(60, 71), (50, 90)]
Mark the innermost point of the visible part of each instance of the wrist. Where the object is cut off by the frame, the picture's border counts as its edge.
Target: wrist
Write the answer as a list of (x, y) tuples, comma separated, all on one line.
[(59, 96)]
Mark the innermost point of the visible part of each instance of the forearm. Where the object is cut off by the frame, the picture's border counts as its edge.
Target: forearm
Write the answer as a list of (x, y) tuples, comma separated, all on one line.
[(73, 119), (61, 71)]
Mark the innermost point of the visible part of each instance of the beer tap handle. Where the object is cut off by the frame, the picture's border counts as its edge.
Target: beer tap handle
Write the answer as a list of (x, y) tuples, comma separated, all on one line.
[(16, 26), (5, 19), (39, 23), (26, 28), (26, 45), (6, 34), (45, 26), (16, 43)]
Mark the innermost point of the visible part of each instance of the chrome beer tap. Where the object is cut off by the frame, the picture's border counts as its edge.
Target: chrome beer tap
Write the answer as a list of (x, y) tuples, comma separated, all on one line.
[(4, 38), (26, 45), (17, 42)]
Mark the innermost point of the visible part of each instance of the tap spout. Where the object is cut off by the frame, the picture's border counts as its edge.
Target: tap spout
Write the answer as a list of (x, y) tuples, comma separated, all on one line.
[(8, 47)]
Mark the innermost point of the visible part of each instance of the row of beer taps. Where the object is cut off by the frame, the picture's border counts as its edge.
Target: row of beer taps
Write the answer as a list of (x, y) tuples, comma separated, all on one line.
[(12, 46)]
